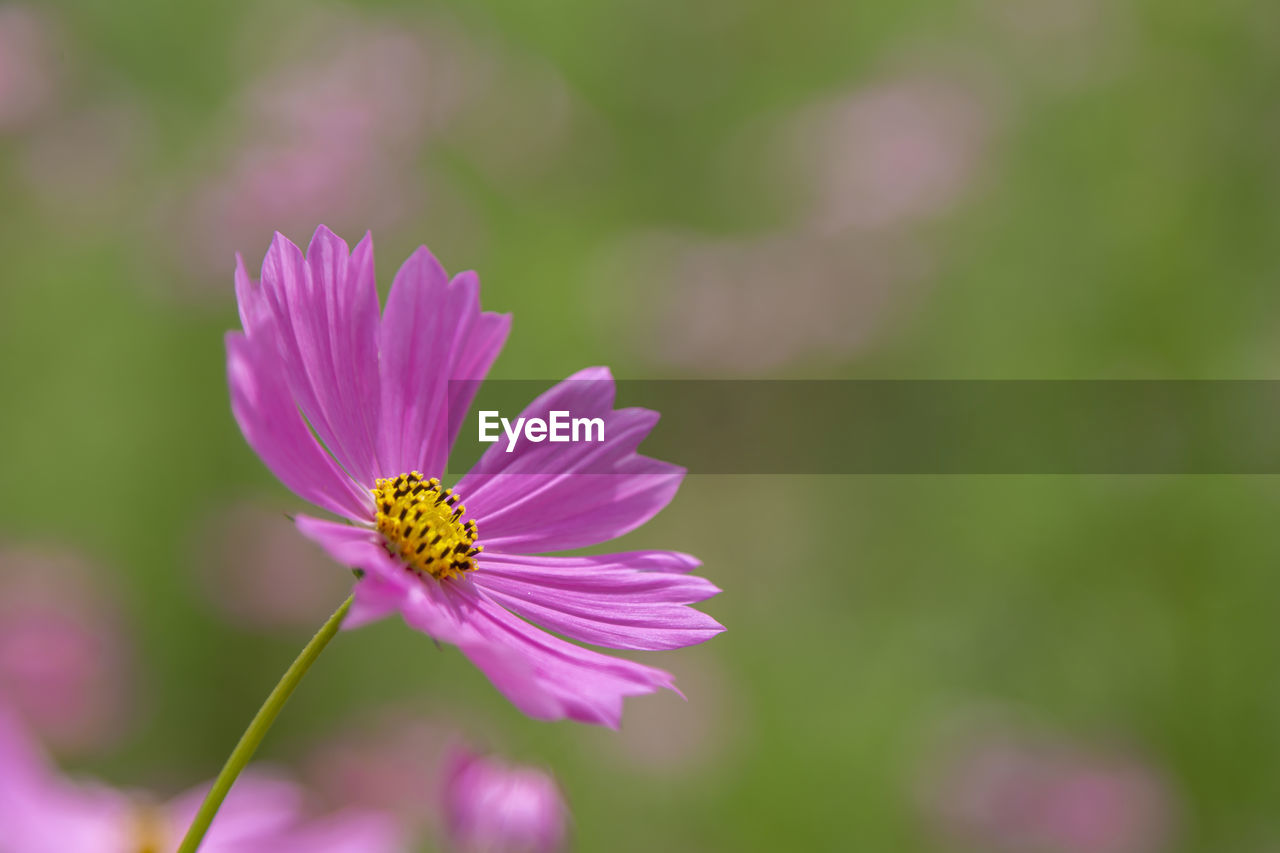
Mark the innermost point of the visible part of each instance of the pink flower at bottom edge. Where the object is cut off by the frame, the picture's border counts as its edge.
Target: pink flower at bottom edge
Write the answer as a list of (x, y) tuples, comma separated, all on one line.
[(496, 807), (42, 811), (316, 354)]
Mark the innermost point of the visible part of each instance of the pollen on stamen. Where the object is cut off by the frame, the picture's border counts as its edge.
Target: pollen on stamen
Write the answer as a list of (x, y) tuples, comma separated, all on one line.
[(422, 524)]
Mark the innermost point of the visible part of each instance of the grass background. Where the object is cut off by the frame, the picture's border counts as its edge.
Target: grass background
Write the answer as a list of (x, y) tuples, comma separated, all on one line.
[(1122, 223)]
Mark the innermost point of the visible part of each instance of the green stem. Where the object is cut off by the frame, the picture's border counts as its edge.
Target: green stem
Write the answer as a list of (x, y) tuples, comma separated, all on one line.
[(258, 729)]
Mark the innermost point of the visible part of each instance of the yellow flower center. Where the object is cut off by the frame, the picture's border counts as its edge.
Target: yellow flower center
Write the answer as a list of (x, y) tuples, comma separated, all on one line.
[(422, 523), (149, 829)]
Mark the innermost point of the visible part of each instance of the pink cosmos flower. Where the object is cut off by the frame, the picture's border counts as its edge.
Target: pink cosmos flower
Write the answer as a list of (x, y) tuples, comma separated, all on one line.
[(356, 413), (42, 811), (495, 807)]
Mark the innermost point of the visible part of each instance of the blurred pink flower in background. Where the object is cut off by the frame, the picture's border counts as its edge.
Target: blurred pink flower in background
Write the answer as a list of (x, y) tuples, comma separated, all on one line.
[(391, 763), (337, 117), (28, 67), (258, 571), (65, 663), (754, 304), (331, 130), (494, 807), (42, 811), (870, 167), (1018, 792), (896, 152)]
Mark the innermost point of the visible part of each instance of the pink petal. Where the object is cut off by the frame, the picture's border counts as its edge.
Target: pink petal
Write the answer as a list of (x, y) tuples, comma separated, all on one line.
[(267, 416), (445, 611), (587, 393), (349, 831), (43, 812), (321, 314), (579, 510), (24, 768), (553, 497), (258, 804), (545, 677), (254, 311), (491, 805), (375, 599), (602, 600), (551, 568), (475, 351), (348, 544), (437, 609), (582, 571), (548, 678), (265, 812), (353, 320), (432, 331)]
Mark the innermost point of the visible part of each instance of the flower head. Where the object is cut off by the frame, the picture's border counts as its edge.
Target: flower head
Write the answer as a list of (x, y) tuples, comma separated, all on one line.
[(42, 811), (495, 807), (356, 410)]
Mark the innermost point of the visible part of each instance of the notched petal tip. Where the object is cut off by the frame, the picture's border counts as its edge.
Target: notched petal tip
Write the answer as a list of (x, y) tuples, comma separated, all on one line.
[(325, 232), (423, 260), (364, 249), (248, 297), (641, 420), (419, 282), (324, 239), (283, 256), (279, 242), (468, 280), (597, 374)]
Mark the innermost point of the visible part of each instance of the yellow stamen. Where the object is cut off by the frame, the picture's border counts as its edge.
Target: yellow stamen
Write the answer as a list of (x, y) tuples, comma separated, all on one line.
[(422, 523)]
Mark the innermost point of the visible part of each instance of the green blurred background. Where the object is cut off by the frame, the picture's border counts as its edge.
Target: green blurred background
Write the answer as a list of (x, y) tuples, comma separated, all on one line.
[(971, 189)]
